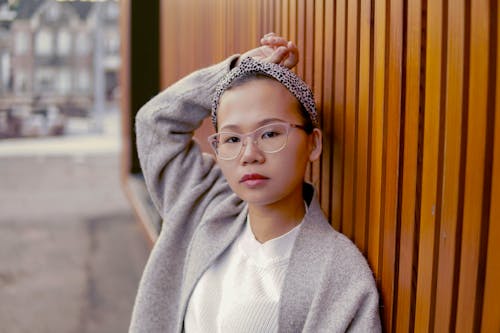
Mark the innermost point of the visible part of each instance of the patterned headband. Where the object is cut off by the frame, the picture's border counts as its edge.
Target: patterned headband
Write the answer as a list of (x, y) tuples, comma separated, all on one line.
[(282, 74)]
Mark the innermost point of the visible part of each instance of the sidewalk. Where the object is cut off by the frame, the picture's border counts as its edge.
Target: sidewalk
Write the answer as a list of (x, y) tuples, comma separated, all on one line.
[(78, 142), (71, 252)]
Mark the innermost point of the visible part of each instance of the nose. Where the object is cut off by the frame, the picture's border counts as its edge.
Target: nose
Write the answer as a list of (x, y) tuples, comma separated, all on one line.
[(251, 153)]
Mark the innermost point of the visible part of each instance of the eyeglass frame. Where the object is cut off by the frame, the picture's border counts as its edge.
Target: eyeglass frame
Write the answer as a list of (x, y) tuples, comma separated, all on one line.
[(243, 137)]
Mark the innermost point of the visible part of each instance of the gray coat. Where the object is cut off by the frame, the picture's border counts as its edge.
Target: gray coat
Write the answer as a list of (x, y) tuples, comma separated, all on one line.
[(328, 286)]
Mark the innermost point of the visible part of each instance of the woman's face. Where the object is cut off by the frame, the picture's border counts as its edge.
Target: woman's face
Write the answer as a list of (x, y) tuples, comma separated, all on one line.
[(255, 176)]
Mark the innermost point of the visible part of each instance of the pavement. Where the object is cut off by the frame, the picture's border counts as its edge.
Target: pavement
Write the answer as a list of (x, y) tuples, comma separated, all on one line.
[(71, 250)]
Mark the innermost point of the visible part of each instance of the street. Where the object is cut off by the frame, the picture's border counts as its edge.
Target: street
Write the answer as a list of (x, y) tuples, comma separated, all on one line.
[(71, 251)]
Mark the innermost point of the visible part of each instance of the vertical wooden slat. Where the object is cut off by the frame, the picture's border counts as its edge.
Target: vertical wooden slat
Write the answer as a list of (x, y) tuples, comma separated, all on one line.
[(272, 16), (377, 136), (491, 306), (327, 119), (263, 9), (285, 22), (351, 95), (363, 123), (301, 39), (310, 64), (237, 23), (428, 220), (278, 18), (309, 42), (169, 26), (405, 297), (253, 14), (391, 159), (125, 77), (338, 112), (318, 74), (451, 166), (230, 27), (468, 298), (292, 20)]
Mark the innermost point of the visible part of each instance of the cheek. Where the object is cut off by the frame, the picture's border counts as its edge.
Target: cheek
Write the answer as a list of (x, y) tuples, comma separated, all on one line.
[(293, 162), (228, 170)]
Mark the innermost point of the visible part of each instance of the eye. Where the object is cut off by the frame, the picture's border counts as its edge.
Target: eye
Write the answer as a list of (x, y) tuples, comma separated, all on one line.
[(230, 139), (270, 134)]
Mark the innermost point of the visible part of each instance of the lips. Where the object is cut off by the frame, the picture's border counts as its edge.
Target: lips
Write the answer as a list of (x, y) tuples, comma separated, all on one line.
[(252, 176)]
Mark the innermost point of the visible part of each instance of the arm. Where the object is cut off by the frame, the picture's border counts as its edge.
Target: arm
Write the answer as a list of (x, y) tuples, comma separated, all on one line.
[(367, 318), (172, 163), (171, 160)]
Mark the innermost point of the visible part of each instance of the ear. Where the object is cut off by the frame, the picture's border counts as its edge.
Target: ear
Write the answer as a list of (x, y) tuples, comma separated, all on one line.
[(316, 144)]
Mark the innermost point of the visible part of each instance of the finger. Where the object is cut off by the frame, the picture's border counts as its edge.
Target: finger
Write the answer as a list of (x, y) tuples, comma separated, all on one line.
[(274, 41), (278, 55), (269, 34), (293, 56)]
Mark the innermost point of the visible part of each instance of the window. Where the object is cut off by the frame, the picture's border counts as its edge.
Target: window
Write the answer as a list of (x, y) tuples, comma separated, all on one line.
[(45, 80), (21, 42), (64, 82), (5, 69), (63, 42), (54, 12), (20, 82), (44, 42), (112, 10), (83, 80), (112, 41), (82, 44)]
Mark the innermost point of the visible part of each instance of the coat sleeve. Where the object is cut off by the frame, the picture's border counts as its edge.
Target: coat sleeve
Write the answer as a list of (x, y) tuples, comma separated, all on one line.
[(346, 298), (367, 318), (171, 161)]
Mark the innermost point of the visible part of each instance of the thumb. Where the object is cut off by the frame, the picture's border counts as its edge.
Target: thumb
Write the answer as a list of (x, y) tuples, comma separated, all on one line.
[(278, 55)]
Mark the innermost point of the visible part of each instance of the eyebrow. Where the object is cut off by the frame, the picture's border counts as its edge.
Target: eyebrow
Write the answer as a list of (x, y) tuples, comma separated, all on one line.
[(232, 127)]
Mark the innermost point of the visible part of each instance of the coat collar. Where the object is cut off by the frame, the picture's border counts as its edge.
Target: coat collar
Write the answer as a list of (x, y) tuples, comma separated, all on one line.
[(209, 241), (301, 281)]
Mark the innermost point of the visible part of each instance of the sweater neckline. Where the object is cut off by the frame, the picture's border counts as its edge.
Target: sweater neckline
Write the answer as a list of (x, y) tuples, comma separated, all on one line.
[(272, 252)]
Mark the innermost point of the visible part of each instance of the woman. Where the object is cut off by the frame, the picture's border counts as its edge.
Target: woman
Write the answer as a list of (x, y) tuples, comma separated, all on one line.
[(244, 245)]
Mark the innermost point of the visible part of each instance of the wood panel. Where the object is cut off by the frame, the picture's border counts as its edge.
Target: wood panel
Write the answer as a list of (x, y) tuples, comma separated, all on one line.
[(391, 156), (408, 96), (363, 126), (469, 289), (376, 140), (491, 306), (451, 181), (405, 294), (327, 107), (429, 209)]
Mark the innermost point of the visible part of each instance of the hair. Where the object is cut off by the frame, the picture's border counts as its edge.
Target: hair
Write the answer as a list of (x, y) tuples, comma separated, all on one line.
[(252, 76)]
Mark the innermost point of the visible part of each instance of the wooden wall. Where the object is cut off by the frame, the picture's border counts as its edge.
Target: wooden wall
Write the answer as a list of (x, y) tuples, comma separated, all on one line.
[(411, 165)]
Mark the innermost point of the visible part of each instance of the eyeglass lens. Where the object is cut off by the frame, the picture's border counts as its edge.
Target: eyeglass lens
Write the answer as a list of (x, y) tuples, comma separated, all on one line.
[(270, 138)]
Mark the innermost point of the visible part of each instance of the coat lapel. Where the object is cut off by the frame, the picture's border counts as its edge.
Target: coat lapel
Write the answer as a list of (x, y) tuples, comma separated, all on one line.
[(302, 281), (210, 240)]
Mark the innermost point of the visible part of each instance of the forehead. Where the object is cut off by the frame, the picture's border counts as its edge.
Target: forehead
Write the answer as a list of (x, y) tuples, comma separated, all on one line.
[(250, 103)]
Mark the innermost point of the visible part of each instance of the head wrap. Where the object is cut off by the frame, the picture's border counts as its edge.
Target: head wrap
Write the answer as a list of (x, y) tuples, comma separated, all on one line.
[(282, 74)]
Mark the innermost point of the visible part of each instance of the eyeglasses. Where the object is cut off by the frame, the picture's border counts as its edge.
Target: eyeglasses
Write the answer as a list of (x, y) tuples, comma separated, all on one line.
[(269, 138)]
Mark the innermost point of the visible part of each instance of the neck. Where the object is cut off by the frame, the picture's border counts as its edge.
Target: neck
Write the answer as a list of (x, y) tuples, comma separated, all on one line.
[(273, 220)]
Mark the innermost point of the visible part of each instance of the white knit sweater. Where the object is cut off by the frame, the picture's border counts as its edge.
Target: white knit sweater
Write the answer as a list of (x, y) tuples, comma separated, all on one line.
[(240, 292)]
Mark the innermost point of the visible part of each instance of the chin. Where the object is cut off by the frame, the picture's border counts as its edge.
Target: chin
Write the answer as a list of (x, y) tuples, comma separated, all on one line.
[(261, 198)]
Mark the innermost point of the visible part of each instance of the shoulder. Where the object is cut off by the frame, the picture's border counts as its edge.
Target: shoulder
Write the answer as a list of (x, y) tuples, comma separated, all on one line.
[(334, 254), (338, 251)]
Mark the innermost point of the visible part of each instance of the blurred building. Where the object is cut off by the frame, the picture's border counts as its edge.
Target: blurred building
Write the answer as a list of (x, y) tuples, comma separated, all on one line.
[(51, 51)]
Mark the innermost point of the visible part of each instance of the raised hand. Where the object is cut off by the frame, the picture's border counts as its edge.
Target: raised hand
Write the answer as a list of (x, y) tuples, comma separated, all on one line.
[(275, 49)]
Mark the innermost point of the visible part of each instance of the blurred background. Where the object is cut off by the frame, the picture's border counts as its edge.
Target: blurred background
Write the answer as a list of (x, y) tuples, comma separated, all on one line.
[(71, 251), (408, 93)]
